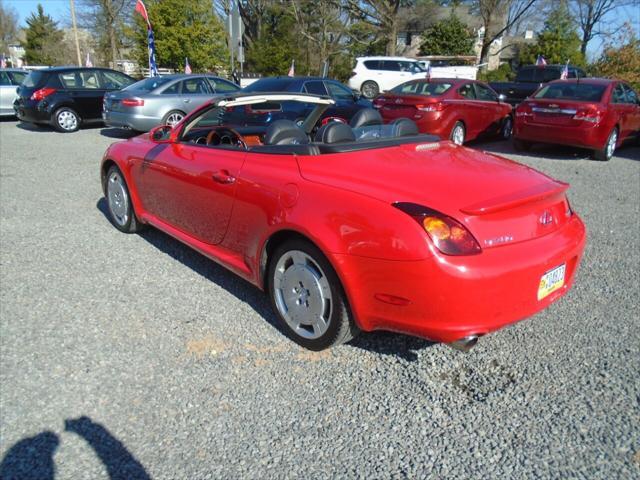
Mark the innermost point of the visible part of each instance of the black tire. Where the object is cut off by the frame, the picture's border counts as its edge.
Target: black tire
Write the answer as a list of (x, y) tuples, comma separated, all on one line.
[(369, 89), (65, 120), (119, 206), (310, 275), (521, 145), (170, 114), (506, 128), (458, 127), (605, 154)]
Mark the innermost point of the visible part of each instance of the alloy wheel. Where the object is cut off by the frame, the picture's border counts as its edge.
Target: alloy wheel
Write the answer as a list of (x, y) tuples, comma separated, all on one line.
[(457, 136), (611, 144), (174, 119), (117, 198)]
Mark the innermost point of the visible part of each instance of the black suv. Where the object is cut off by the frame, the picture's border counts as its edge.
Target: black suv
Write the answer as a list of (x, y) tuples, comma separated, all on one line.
[(66, 97)]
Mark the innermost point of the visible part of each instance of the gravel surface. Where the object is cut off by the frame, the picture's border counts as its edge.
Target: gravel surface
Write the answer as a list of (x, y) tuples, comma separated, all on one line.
[(131, 356)]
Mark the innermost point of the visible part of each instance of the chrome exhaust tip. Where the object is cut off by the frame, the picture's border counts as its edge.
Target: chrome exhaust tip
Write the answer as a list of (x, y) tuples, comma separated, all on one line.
[(464, 344)]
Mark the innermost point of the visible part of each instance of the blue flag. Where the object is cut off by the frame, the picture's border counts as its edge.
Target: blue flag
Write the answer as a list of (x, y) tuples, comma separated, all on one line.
[(153, 67)]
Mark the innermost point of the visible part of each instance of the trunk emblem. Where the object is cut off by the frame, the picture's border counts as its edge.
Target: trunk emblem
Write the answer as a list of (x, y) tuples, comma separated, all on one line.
[(398, 100), (546, 218)]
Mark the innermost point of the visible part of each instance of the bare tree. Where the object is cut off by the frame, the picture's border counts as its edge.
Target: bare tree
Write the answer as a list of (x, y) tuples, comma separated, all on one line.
[(381, 14), (498, 17), (590, 14), (8, 27)]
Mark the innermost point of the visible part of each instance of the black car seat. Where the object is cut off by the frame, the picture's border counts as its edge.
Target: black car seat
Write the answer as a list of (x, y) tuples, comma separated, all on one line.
[(335, 132), (365, 118), (402, 127), (285, 132)]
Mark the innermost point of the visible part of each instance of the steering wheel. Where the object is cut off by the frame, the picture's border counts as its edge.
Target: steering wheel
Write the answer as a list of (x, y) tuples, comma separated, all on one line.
[(225, 136)]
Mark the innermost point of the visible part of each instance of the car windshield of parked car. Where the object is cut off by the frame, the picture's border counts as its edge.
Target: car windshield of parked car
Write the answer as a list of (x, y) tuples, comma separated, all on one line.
[(582, 92), (430, 89), (149, 84), (268, 85), (33, 79)]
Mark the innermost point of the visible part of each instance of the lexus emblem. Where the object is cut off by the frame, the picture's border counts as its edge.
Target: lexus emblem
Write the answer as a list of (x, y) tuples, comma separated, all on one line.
[(546, 218)]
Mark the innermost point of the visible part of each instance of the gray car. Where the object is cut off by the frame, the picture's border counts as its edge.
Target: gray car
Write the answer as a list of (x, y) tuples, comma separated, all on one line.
[(10, 79), (161, 100)]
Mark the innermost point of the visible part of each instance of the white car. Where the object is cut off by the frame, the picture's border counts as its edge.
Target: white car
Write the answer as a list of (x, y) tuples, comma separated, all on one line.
[(373, 75), (10, 79)]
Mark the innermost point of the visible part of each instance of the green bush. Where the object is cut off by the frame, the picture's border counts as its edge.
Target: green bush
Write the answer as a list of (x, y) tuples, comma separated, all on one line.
[(504, 73)]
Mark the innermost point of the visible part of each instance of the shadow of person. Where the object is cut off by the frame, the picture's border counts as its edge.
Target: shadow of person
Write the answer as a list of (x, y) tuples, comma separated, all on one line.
[(31, 458), (120, 463)]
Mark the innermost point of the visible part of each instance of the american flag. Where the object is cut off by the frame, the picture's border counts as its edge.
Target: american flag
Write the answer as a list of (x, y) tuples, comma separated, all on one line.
[(565, 71), (428, 75), (540, 61), (292, 70), (3, 61), (88, 62), (187, 67)]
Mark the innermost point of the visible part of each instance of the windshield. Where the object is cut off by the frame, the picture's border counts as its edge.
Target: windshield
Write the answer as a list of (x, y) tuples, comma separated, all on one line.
[(430, 89), (149, 84), (581, 92), (268, 85), (33, 79)]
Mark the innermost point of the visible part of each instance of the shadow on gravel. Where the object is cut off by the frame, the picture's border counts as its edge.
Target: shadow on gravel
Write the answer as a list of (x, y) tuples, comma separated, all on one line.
[(119, 133), (389, 343), (32, 457), (629, 153), (30, 127)]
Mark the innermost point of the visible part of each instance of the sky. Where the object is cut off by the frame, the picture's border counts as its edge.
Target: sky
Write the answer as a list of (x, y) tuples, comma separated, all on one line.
[(59, 10)]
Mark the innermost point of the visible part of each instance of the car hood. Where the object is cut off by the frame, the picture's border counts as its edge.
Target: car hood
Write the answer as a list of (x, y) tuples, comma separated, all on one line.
[(478, 188)]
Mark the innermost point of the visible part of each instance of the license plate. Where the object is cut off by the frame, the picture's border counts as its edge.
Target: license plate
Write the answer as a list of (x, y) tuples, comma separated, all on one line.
[(551, 281)]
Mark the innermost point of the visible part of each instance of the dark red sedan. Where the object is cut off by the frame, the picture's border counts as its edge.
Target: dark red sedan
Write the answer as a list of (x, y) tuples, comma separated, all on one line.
[(594, 113), (453, 108)]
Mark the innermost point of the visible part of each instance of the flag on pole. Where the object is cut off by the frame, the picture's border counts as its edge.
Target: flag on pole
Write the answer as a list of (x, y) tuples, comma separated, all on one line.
[(3, 61), (88, 62), (541, 61), (142, 10), (565, 71), (187, 67), (292, 70)]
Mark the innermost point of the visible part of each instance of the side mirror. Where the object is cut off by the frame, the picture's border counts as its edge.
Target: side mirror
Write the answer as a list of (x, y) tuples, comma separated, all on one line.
[(502, 98), (357, 96), (161, 134)]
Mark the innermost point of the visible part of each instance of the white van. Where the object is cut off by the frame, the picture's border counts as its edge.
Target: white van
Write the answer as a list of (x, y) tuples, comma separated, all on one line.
[(373, 75)]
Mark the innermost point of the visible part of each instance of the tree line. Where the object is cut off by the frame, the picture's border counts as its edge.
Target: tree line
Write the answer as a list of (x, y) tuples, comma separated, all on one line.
[(276, 32)]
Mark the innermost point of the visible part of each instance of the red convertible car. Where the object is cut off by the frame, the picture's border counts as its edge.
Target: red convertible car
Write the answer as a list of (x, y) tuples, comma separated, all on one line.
[(594, 113), (453, 108), (349, 232)]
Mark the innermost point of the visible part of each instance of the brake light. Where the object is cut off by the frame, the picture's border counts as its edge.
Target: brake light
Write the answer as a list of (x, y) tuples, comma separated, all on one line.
[(431, 107), (42, 93), (378, 102), (132, 102), (590, 115), (523, 110), (447, 234)]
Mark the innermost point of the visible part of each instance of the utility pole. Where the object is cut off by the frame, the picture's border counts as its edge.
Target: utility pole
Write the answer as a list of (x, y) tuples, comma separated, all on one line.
[(75, 31)]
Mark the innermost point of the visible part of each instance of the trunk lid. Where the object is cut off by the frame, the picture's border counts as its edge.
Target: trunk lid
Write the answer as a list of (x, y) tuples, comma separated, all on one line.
[(561, 112), (500, 201), (405, 105)]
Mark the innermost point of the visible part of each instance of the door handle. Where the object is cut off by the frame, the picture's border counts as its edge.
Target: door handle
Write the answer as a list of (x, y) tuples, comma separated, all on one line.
[(187, 100), (223, 176)]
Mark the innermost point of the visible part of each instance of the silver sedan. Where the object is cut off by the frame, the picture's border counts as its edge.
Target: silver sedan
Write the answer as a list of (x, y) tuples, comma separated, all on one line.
[(10, 79), (161, 100)]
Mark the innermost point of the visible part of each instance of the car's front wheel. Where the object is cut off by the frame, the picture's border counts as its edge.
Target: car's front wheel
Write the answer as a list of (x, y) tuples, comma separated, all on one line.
[(307, 296), (65, 120), (119, 204), (370, 89), (609, 147)]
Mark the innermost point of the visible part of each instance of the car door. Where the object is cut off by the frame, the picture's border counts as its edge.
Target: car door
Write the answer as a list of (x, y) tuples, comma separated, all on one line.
[(191, 186), (469, 110), (490, 109), (195, 92), (622, 109), (346, 105), (7, 94), (86, 90), (634, 105)]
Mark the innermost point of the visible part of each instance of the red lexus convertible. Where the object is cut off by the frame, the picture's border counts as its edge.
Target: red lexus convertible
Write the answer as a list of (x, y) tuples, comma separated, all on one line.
[(453, 108), (388, 230)]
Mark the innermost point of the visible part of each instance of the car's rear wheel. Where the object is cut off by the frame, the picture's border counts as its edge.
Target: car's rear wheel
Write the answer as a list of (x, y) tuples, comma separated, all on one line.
[(307, 296), (507, 128), (521, 145), (173, 117), (119, 204), (370, 89), (65, 120), (609, 147), (458, 133)]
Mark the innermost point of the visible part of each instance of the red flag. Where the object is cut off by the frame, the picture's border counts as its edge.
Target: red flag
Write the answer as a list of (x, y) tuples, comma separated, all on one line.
[(292, 70), (142, 10), (187, 67)]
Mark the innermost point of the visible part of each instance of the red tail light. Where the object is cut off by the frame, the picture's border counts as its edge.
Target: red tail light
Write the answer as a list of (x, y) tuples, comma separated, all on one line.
[(523, 110), (42, 93), (591, 115), (447, 234), (378, 102), (431, 107), (132, 102)]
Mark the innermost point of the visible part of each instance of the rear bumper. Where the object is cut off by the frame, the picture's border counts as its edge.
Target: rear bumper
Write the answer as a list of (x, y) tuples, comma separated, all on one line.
[(137, 122), (593, 137), (448, 298), (32, 112)]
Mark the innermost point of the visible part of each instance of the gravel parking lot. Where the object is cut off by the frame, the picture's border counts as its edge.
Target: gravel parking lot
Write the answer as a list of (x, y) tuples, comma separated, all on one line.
[(131, 356)]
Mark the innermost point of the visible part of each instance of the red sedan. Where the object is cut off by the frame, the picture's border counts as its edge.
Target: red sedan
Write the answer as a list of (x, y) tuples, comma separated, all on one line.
[(398, 232), (594, 113), (457, 109)]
